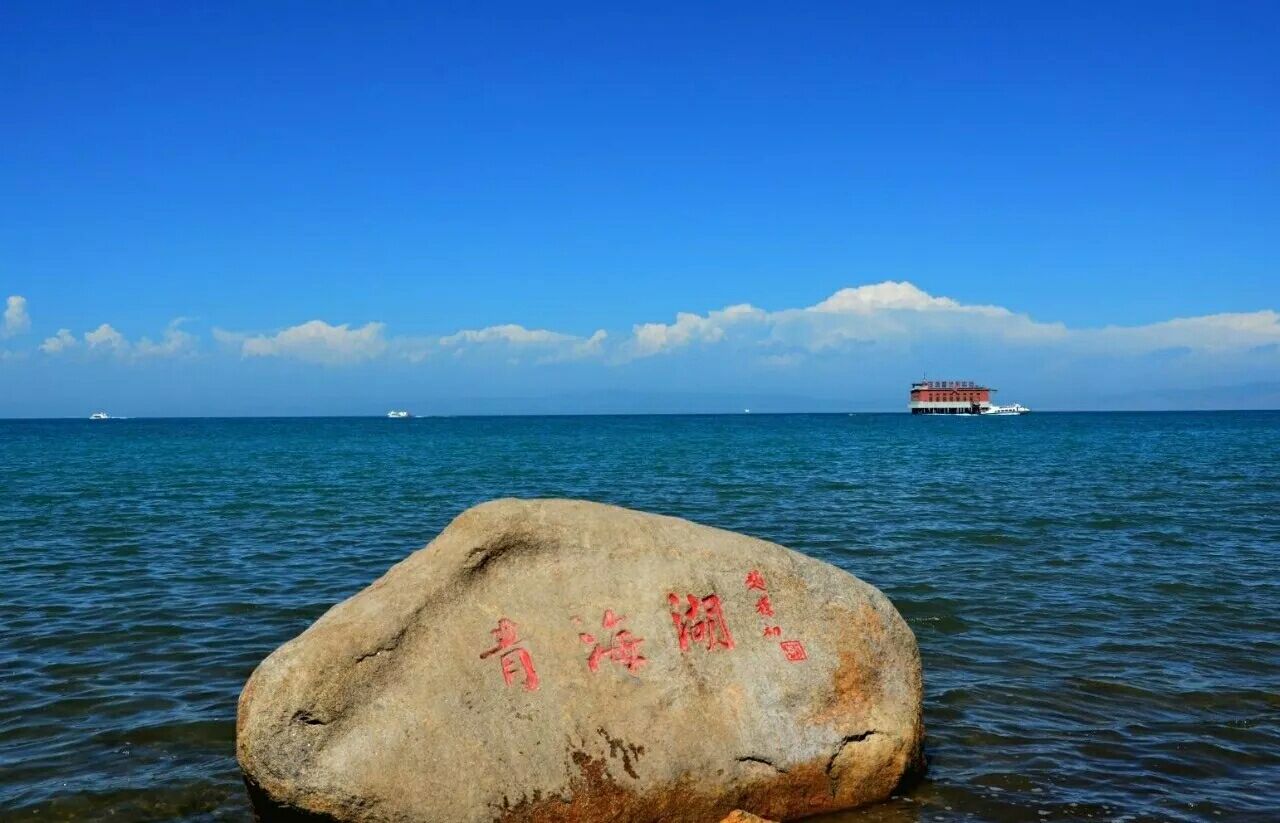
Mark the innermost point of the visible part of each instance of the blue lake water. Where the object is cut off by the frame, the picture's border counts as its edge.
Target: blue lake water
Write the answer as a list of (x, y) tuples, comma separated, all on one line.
[(1096, 596)]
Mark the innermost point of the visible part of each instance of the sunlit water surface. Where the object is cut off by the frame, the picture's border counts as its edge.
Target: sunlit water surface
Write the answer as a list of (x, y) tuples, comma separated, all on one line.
[(1096, 596)]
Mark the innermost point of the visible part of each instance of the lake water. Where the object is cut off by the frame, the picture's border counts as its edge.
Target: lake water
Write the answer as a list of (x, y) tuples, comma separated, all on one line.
[(1096, 596)]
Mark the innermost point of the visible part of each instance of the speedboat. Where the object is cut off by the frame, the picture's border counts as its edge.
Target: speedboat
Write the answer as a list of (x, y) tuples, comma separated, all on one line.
[(99, 415), (1006, 411), (398, 414)]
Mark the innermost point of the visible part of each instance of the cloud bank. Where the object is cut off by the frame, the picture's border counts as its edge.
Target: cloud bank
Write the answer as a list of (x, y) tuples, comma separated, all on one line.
[(317, 341), (107, 341), (899, 315), (873, 332)]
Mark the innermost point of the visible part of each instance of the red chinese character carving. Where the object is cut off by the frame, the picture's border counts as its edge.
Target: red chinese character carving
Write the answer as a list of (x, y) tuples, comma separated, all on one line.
[(505, 635), (755, 580), (773, 631), (709, 628), (623, 648), (764, 606), (793, 650), (511, 654)]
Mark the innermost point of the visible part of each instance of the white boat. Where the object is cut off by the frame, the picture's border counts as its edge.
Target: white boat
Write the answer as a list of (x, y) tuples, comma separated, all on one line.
[(1006, 411), (99, 415), (398, 414)]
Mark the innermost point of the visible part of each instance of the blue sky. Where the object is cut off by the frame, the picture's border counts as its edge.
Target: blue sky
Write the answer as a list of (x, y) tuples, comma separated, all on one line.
[(523, 202)]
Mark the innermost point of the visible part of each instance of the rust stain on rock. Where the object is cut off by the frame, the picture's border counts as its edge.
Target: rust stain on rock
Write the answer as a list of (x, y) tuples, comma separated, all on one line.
[(855, 688), (592, 795), (856, 685), (739, 816)]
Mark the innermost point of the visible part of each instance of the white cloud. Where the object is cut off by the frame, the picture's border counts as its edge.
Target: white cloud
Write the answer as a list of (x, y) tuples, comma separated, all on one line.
[(891, 294), (106, 338), (16, 319), (314, 341), (509, 333), (63, 341), (593, 346), (175, 342), (547, 346), (655, 338), (1210, 332)]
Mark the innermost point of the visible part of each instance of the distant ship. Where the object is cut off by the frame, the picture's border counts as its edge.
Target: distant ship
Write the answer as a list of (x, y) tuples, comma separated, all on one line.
[(99, 415), (957, 397), (398, 414), (1006, 411)]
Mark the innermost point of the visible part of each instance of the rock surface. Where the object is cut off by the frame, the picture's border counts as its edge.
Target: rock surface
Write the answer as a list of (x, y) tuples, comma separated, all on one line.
[(739, 816), (558, 660)]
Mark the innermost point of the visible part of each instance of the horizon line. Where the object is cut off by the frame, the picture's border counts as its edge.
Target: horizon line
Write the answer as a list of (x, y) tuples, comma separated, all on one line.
[(616, 414)]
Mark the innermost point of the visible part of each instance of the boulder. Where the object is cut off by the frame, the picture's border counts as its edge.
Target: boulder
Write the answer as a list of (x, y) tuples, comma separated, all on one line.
[(559, 660)]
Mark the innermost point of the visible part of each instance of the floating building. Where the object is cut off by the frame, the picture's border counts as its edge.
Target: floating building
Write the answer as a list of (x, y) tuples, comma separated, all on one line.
[(950, 397)]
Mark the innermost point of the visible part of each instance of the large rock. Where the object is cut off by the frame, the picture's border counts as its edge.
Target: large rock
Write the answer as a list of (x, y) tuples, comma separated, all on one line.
[(557, 660)]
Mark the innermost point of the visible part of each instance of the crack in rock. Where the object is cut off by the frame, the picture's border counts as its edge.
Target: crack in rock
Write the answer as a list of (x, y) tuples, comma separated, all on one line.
[(763, 761), (834, 779), (378, 651)]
